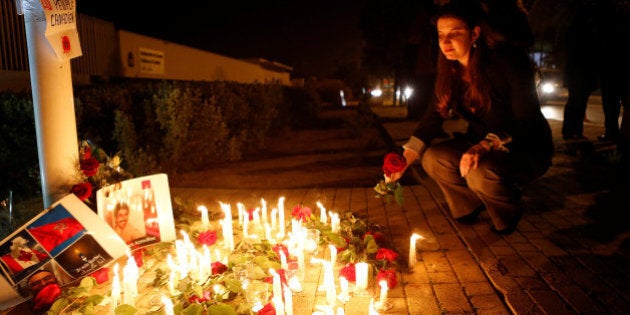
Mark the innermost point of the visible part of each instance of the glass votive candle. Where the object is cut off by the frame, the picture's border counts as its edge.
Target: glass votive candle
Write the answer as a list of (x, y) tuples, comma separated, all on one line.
[(293, 276), (311, 245), (242, 273), (257, 295)]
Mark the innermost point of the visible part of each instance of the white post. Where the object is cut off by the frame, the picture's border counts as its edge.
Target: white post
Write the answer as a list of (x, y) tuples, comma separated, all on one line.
[(53, 104)]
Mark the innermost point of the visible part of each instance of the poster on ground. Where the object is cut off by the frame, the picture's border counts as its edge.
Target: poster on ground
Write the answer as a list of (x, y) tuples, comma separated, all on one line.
[(60, 245)]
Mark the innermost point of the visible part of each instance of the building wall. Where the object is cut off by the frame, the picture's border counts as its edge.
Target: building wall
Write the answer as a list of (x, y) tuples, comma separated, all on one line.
[(106, 53), (148, 57)]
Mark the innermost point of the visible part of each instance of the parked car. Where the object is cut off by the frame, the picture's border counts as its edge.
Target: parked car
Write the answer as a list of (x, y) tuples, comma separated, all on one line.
[(550, 87)]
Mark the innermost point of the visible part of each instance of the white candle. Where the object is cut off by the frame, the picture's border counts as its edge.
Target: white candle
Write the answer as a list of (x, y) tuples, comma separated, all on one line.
[(335, 222), (329, 283), (412, 249), (281, 216), (268, 232), (283, 260), (168, 306), (246, 226), (333, 254), (274, 213), (241, 213), (205, 222), (263, 210), (361, 270), (288, 301), (115, 290), (228, 229), (344, 287), (277, 285), (323, 218), (256, 215), (384, 289), (130, 273), (372, 310)]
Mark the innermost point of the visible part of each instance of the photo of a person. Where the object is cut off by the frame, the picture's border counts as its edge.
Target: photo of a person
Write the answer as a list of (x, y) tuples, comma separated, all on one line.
[(121, 225), (45, 289)]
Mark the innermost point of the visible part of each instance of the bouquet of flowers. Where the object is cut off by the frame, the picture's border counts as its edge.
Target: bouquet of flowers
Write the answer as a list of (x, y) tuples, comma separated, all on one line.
[(96, 170), (386, 188)]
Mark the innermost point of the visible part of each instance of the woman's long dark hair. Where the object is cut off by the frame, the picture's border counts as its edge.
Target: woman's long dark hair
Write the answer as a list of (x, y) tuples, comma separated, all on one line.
[(474, 96)]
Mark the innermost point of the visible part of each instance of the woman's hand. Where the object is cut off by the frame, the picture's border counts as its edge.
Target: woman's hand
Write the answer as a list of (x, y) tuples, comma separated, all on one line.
[(410, 156), (470, 159)]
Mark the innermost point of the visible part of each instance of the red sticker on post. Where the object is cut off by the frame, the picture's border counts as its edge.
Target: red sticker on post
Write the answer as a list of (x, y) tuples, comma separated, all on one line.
[(65, 43)]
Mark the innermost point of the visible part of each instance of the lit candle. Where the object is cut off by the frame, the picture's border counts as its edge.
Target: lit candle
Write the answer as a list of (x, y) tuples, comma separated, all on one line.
[(372, 310), (115, 290), (228, 230), (263, 210), (288, 301), (361, 270), (329, 283), (241, 213), (384, 289), (412, 249), (274, 213), (277, 285), (268, 232), (283, 260), (168, 306), (256, 215), (278, 305), (205, 222), (344, 296), (246, 226), (130, 282), (335, 222), (333, 254), (281, 216), (322, 215)]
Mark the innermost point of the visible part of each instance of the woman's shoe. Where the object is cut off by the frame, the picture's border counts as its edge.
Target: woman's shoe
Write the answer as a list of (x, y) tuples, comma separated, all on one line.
[(470, 218), (507, 231)]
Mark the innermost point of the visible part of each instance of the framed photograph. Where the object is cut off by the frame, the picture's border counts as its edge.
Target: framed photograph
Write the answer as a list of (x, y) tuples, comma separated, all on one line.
[(139, 210)]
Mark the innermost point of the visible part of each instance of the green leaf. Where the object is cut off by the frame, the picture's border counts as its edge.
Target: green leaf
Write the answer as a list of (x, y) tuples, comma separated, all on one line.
[(58, 306), (221, 309), (125, 309), (193, 309), (370, 245)]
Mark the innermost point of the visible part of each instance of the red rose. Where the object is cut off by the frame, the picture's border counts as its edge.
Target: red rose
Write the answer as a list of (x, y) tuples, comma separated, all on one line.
[(218, 268), (349, 272), (379, 237), (301, 213), (388, 254), (393, 163), (207, 238), (82, 191), (251, 214), (89, 167), (46, 297), (268, 309), (101, 275), (280, 247), (207, 296), (138, 257), (86, 152), (388, 275)]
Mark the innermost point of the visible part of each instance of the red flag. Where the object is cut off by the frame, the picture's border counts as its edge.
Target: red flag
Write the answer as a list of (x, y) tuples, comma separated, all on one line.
[(52, 234)]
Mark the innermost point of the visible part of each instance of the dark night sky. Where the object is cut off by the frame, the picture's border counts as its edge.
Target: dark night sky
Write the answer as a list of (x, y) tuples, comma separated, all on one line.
[(314, 37)]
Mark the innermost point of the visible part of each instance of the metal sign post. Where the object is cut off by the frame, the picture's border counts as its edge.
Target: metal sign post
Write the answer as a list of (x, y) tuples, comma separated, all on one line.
[(47, 34)]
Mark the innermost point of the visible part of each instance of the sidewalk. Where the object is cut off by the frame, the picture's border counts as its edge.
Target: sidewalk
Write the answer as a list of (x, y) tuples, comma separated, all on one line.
[(569, 254)]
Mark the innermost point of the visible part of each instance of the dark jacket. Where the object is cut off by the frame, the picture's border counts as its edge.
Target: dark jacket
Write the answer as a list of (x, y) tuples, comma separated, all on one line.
[(515, 114)]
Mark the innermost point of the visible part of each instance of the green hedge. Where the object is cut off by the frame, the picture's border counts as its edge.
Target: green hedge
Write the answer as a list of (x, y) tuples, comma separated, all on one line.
[(157, 126)]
